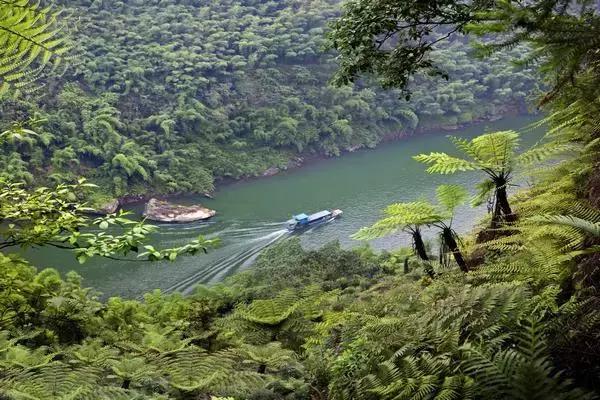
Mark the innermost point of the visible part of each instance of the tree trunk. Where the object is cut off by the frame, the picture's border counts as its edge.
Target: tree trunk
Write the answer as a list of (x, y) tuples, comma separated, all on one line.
[(502, 210), (420, 245), (453, 246), (422, 251), (406, 266)]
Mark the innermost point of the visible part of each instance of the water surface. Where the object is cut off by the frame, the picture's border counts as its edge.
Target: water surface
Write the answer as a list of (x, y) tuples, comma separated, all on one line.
[(251, 214)]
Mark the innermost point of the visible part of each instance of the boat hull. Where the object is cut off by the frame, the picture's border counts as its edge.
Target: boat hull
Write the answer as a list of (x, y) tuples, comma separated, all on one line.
[(330, 216)]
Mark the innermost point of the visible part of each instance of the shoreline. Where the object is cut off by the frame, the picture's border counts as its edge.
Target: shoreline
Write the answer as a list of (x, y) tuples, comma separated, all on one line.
[(301, 160)]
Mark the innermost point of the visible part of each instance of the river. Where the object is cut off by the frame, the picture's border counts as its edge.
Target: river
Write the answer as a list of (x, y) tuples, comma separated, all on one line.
[(251, 213)]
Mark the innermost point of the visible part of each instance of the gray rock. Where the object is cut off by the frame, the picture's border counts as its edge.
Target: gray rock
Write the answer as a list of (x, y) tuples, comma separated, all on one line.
[(163, 211), (271, 171), (110, 207), (354, 148)]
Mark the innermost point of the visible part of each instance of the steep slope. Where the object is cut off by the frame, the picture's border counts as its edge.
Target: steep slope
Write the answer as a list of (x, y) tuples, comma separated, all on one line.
[(165, 96)]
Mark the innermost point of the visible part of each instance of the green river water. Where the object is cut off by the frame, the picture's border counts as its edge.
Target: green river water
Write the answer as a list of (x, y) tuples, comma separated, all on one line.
[(251, 213)]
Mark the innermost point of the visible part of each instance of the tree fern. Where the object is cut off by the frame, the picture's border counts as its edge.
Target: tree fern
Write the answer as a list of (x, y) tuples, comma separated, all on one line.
[(55, 381), (271, 312), (133, 371), (163, 341), (192, 370), (93, 353), (20, 357), (411, 217), (496, 155), (269, 358)]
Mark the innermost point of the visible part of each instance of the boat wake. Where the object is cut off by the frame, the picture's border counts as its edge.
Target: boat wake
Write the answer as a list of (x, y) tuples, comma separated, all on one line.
[(239, 250)]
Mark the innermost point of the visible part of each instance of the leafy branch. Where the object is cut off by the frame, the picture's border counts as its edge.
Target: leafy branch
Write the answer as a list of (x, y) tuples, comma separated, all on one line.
[(55, 218)]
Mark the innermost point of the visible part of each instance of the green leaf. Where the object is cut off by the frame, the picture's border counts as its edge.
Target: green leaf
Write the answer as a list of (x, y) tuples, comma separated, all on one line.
[(442, 163), (451, 196)]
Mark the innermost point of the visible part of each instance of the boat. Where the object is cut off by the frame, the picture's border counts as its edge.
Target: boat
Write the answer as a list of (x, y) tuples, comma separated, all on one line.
[(302, 221)]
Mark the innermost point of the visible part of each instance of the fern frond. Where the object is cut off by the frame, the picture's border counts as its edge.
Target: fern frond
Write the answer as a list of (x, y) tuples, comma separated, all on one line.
[(442, 163), (451, 196), (272, 311), (400, 216), (496, 149), (55, 381), (540, 153), (580, 224), (523, 372), (32, 38), (193, 370), (484, 190)]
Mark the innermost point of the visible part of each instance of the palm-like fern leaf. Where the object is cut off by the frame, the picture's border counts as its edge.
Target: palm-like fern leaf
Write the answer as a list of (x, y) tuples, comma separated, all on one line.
[(523, 372), (484, 192), (55, 381), (272, 311), (193, 370), (31, 38), (400, 216), (492, 152), (451, 196), (442, 163), (543, 152), (580, 224)]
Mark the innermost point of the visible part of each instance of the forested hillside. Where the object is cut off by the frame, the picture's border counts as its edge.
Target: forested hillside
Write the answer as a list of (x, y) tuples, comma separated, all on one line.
[(509, 311), (165, 96)]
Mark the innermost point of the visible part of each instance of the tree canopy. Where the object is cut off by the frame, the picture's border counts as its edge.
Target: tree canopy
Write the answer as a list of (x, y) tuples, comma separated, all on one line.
[(230, 87), (395, 40)]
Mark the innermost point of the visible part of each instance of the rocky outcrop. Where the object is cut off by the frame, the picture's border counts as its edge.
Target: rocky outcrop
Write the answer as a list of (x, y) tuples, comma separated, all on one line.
[(104, 208), (271, 171), (109, 207), (163, 211), (354, 148), (295, 162), (133, 198)]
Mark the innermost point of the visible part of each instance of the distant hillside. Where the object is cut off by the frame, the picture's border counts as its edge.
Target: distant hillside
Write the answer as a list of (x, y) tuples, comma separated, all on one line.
[(167, 95)]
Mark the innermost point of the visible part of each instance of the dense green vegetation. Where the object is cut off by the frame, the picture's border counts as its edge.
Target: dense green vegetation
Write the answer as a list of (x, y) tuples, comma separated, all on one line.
[(514, 314), (57, 218), (165, 96)]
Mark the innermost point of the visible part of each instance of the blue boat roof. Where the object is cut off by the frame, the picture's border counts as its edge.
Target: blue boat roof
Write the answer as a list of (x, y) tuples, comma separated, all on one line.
[(300, 217)]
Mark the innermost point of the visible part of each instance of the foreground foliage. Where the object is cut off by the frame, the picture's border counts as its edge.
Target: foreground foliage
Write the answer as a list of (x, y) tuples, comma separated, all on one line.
[(328, 324), (57, 218)]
